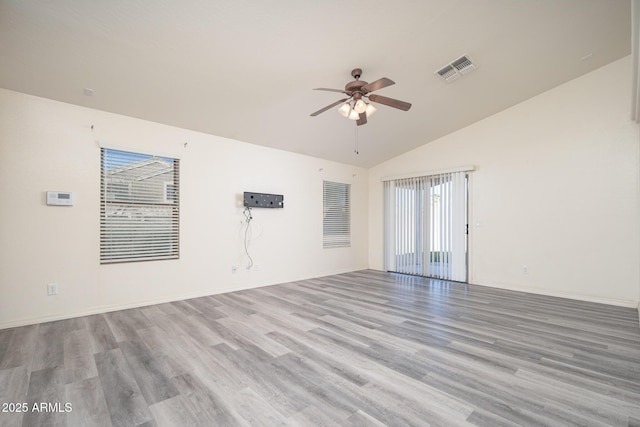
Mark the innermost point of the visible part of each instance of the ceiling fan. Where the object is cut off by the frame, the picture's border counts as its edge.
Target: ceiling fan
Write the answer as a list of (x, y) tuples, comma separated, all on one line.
[(355, 106)]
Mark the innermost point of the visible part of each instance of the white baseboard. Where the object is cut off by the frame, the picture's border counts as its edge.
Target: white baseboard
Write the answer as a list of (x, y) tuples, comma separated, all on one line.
[(136, 304), (568, 295), (32, 320)]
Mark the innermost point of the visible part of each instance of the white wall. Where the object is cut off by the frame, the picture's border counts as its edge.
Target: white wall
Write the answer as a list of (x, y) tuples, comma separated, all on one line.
[(556, 189), (47, 145)]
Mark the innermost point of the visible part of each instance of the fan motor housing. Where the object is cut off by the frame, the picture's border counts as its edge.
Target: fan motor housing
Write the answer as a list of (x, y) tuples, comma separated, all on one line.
[(355, 86)]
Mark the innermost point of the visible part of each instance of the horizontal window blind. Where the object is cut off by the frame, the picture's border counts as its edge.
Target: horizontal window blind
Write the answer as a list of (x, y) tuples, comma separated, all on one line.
[(336, 224), (139, 208)]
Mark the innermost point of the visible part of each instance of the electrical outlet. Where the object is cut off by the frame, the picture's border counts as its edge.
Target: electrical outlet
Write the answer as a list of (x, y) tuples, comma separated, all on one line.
[(52, 289), (234, 269), (525, 269)]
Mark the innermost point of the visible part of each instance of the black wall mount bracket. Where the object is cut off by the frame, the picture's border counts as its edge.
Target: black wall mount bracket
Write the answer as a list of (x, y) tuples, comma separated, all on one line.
[(261, 200)]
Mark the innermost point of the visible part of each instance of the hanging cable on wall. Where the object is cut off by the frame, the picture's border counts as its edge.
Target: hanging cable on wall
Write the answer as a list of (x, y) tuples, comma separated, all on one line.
[(248, 217)]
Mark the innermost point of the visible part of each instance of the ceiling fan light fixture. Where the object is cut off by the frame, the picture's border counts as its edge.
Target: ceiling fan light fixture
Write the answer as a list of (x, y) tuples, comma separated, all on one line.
[(345, 109), (360, 106), (355, 106)]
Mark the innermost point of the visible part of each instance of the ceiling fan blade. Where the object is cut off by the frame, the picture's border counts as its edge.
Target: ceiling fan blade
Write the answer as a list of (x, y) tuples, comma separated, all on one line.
[(378, 84), (404, 106), (332, 90), (362, 120), (322, 110)]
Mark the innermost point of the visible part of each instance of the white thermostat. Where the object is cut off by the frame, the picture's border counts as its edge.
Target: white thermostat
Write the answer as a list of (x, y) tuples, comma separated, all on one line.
[(59, 198)]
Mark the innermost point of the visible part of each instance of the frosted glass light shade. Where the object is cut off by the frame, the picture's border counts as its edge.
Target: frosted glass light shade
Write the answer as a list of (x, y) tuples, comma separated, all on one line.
[(344, 109), (360, 106), (353, 115), (370, 110)]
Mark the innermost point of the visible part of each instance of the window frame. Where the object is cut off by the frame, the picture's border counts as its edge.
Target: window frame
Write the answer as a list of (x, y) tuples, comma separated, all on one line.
[(336, 215), (142, 223)]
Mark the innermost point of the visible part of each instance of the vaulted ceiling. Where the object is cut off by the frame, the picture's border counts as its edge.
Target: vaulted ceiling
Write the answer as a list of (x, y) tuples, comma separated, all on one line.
[(245, 69)]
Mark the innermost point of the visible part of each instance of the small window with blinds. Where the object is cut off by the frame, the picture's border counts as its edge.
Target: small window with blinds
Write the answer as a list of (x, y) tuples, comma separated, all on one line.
[(139, 207), (336, 224)]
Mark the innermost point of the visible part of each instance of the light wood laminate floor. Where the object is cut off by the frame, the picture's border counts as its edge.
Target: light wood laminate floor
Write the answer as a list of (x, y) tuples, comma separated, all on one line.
[(359, 349)]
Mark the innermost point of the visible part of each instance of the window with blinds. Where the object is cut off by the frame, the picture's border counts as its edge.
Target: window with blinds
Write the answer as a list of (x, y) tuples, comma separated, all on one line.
[(139, 207), (336, 224)]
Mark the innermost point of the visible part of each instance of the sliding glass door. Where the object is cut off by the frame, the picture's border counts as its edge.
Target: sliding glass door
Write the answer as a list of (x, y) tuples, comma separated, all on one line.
[(426, 226)]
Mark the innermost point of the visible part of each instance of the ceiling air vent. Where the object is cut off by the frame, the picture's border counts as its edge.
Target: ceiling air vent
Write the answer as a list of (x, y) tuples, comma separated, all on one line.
[(448, 73), (456, 69)]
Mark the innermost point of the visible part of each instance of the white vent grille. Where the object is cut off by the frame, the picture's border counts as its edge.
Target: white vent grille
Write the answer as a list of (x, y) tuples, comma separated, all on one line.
[(456, 69), (448, 73)]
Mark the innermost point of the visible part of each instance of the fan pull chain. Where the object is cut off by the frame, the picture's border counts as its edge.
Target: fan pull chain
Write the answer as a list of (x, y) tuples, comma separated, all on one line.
[(356, 150)]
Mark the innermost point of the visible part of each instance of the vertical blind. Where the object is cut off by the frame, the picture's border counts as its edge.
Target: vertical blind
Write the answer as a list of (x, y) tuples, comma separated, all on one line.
[(336, 216), (139, 207), (426, 225)]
